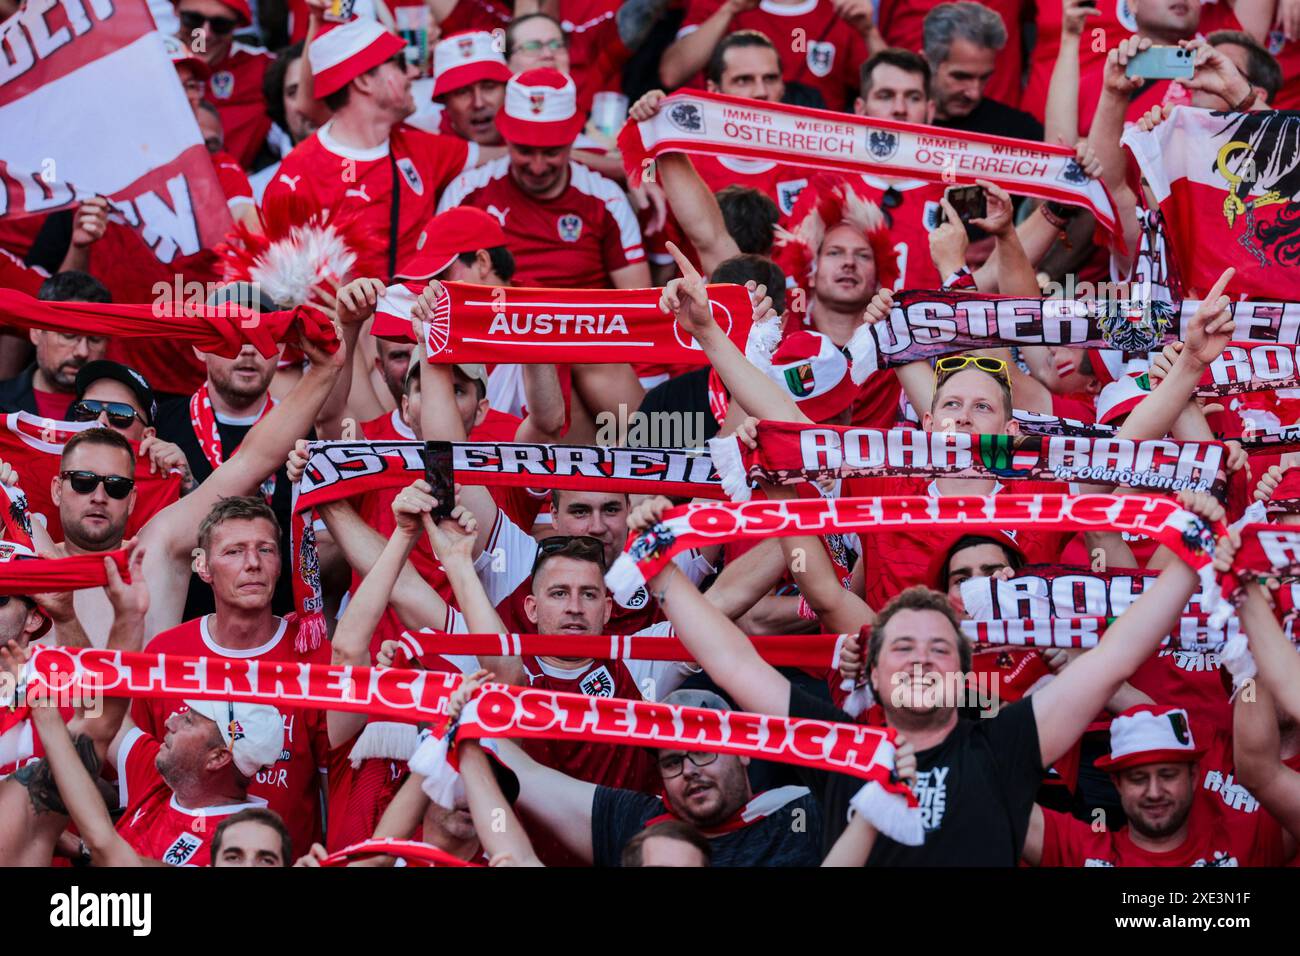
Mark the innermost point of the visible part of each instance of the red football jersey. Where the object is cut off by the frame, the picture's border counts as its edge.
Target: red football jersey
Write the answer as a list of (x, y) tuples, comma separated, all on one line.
[(292, 787), (780, 182), (827, 59), (896, 560), (901, 23), (1071, 842), (15, 274), (154, 822), (596, 51), (234, 181), (235, 89), (358, 796), (1287, 54), (360, 182), (910, 223), (573, 241)]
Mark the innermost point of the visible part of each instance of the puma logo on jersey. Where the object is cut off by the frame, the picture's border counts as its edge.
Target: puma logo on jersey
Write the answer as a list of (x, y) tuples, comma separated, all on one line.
[(499, 213), (290, 181), (136, 819), (359, 192)]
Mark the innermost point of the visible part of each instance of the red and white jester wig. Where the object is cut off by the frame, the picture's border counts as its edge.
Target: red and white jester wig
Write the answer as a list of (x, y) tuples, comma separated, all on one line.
[(827, 201)]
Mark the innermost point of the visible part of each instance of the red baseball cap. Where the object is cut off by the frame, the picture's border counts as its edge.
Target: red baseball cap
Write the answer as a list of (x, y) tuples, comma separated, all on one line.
[(342, 52), (541, 109), (1150, 733), (181, 56), (448, 234), (463, 59)]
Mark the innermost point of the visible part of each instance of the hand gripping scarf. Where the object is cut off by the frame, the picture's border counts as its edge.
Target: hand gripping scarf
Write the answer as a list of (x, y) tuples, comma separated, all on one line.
[(790, 453), (222, 330), (700, 524), (716, 125), (473, 323), (496, 710), (339, 470)]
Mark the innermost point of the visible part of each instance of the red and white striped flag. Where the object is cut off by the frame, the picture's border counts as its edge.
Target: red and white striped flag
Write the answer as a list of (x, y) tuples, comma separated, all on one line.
[(1228, 186), (91, 105)]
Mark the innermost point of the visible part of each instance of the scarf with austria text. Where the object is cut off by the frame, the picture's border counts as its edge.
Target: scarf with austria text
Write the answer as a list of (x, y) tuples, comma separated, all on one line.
[(700, 524), (495, 710), (717, 125), (789, 453), (483, 324), (343, 469), (222, 330)]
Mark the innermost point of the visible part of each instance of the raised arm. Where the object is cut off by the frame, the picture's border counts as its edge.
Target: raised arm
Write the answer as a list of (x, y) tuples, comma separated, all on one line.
[(545, 404), (1257, 761), (1275, 656), (1065, 706), (688, 54), (498, 829), (714, 641), (1061, 116)]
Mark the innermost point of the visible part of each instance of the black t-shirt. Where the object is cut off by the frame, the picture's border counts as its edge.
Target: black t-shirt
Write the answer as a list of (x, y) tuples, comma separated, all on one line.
[(996, 119), (788, 837), (174, 426), (685, 395), (976, 789)]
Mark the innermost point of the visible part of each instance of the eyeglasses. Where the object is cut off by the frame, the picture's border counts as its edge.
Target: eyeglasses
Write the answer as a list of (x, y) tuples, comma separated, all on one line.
[(582, 546), (120, 414), (951, 364), (670, 767), (890, 200), (536, 46), (85, 482), (221, 26)]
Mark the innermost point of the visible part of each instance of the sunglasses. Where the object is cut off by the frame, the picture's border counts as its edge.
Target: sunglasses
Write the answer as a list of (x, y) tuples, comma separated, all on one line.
[(120, 414), (890, 200), (582, 546), (221, 26), (951, 364), (85, 482)]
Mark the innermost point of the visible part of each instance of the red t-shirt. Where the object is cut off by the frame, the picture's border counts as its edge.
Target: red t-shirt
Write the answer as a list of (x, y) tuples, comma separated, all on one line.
[(360, 182), (1071, 842), (15, 274), (234, 181), (1287, 54), (910, 224), (572, 241), (292, 787), (52, 405), (235, 89), (901, 23), (154, 822), (596, 51), (827, 61), (896, 560), (1189, 679)]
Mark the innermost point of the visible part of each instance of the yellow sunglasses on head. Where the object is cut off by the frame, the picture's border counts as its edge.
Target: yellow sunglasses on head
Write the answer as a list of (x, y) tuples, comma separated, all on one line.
[(951, 364)]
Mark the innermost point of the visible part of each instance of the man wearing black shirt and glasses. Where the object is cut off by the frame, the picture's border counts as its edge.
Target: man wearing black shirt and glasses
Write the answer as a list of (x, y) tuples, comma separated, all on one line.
[(976, 778)]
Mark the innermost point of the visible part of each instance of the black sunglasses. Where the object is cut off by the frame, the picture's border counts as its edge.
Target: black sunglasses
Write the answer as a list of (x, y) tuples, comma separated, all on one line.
[(889, 201), (582, 546), (120, 414), (221, 26), (85, 482)]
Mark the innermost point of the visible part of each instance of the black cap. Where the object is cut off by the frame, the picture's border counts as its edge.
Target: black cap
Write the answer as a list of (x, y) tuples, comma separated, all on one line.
[(92, 372)]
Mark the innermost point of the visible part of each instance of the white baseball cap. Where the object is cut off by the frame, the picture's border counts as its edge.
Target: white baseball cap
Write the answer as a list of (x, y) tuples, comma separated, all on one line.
[(257, 731)]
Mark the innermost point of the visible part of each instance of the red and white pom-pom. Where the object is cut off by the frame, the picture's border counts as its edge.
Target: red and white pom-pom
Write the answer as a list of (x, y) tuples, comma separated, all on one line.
[(301, 248)]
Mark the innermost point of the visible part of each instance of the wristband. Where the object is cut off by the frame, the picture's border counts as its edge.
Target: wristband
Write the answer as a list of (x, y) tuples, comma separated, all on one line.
[(1246, 101)]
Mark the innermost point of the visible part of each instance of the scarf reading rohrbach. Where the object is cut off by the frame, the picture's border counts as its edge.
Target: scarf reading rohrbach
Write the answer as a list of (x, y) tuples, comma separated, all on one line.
[(1250, 367), (222, 330), (789, 453), (343, 469), (474, 323), (495, 710), (700, 524), (717, 125)]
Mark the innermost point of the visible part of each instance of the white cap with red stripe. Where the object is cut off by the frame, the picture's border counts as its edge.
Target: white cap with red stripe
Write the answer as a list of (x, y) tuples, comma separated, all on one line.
[(541, 109), (465, 58), (344, 51)]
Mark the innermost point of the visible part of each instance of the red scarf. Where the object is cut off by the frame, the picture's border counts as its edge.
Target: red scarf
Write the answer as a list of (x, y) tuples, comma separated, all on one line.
[(204, 422), (412, 851), (691, 121), (75, 573), (482, 324), (699, 524), (221, 330), (1250, 367), (758, 808), (790, 453), (496, 710)]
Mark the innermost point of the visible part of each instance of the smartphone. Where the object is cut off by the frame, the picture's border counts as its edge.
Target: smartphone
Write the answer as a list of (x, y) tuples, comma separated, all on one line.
[(969, 203), (438, 472), (1162, 63), (1088, 3)]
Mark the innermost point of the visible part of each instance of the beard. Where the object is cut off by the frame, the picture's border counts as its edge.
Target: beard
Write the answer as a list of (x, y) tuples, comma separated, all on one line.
[(99, 539), (1153, 831)]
